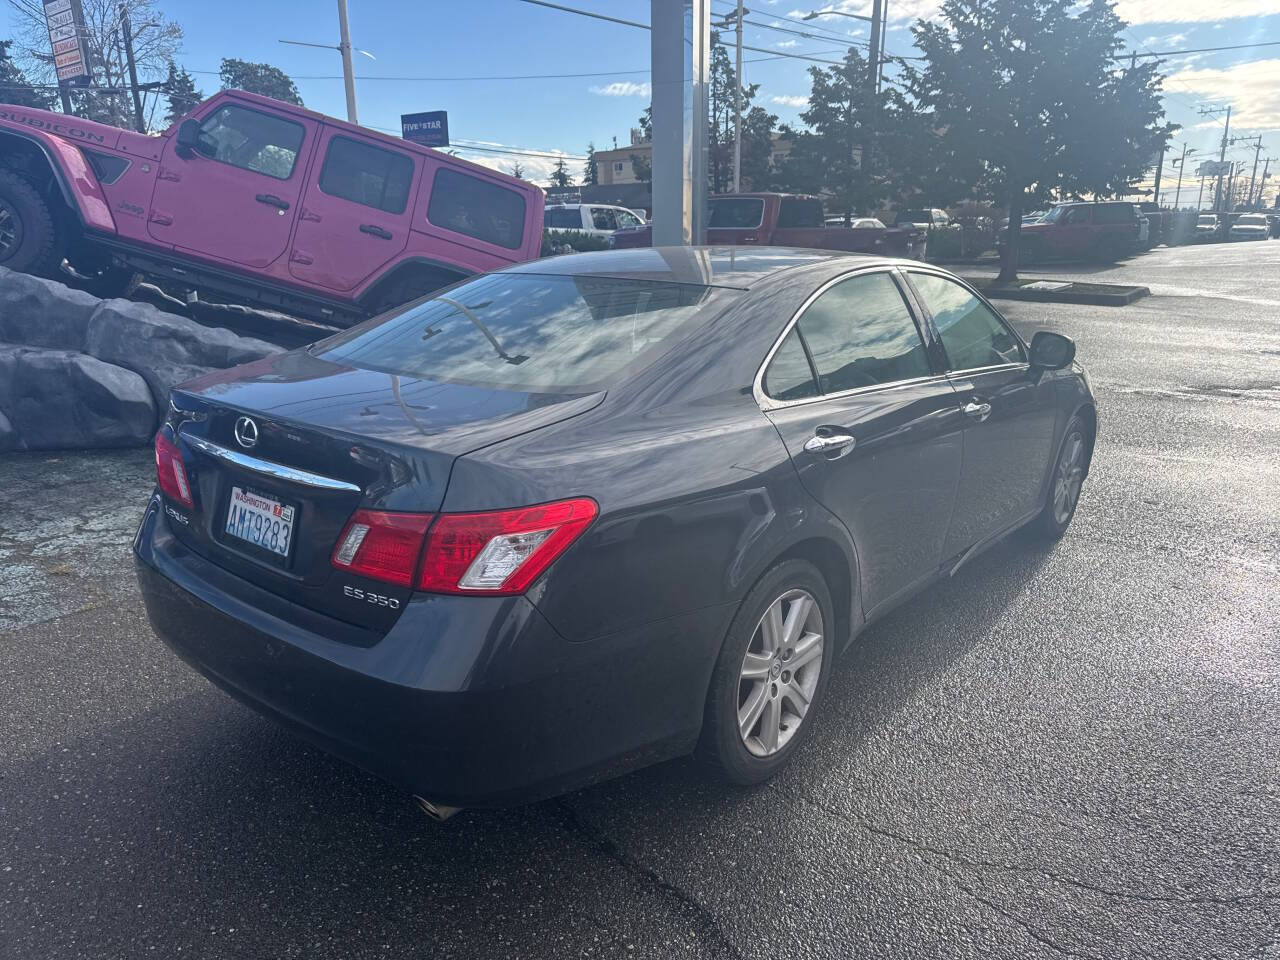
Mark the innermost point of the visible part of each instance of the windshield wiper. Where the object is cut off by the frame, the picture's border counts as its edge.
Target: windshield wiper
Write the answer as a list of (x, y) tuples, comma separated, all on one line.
[(479, 325)]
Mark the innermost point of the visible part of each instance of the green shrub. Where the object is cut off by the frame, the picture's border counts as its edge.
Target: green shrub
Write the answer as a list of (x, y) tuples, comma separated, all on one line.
[(555, 242)]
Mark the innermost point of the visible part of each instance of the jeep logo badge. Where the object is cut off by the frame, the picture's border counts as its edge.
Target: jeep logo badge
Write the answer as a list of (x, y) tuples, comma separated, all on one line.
[(246, 432)]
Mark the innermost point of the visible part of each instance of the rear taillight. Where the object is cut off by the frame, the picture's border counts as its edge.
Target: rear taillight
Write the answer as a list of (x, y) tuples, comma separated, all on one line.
[(500, 551), (384, 546), (171, 473)]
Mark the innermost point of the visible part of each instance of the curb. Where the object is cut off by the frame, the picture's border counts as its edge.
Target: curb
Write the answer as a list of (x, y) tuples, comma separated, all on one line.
[(1118, 296)]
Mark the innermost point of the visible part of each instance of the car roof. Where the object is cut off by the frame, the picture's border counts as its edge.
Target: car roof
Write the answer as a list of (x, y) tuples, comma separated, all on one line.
[(737, 267)]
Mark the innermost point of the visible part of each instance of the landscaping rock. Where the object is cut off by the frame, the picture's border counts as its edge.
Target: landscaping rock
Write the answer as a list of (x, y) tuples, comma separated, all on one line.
[(59, 399), (43, 313), (162, 348)]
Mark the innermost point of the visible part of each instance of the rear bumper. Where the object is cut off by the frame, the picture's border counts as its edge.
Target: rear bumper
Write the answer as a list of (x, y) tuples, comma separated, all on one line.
[(467, 701)]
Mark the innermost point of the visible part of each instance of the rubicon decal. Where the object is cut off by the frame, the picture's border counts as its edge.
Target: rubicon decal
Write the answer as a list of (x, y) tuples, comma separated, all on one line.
[(61, 129)]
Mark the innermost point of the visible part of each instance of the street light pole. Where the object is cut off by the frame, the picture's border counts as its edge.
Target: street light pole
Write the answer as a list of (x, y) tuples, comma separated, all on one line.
[(1182, 162), (348, 71)]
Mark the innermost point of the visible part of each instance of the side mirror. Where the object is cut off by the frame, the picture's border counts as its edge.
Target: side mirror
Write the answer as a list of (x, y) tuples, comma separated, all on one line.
[(189, 141), (1051, 351)]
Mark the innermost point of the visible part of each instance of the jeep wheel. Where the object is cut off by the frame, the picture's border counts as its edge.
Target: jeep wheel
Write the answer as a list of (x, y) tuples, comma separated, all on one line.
[(28, 236)]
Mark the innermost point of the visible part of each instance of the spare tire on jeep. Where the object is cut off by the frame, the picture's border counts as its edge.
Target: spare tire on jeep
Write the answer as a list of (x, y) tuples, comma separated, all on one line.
[(29, 239)]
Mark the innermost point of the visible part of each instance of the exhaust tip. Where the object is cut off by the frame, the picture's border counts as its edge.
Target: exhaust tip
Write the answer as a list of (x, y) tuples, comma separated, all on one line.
[(436, 811)]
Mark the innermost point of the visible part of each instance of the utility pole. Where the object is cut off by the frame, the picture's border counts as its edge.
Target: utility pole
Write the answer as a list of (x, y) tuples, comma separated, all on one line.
[(1159, 172), (1200, 198), (139, 122), (1257, 149), (873, 52), (1222, 154), (737, 95), (1180, 163), (348, 71), (1262, 184)]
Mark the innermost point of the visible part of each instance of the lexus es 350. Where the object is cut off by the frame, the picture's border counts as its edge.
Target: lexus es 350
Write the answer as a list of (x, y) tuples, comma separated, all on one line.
[(581, 515)]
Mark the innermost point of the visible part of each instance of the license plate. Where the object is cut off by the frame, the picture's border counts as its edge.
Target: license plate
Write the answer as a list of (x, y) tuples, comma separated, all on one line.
[(260, 520)]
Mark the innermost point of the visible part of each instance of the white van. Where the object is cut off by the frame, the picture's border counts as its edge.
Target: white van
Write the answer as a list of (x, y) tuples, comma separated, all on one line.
[(597, 219)]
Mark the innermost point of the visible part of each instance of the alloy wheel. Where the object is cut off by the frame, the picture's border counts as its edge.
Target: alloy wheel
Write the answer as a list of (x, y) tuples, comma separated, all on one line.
[(10, 231), (1069, 477), (779, 674)]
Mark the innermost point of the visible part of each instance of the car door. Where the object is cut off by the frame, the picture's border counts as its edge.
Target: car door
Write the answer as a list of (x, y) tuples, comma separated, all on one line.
[(872, 425), (1075, 234), (1010, 413), (233, 199), (356, 212)]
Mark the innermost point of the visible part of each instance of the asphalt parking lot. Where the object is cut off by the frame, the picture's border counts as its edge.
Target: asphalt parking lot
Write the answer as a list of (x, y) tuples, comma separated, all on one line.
[(1071, 751)]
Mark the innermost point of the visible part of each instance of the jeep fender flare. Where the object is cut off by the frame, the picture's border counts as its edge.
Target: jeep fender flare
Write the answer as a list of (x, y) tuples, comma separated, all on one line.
[(76, 182)]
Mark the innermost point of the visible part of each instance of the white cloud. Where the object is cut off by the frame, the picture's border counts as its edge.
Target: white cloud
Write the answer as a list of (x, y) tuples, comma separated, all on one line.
[(1191, 11), (796, 102), (787, 44), (1252, 87), (622, 88)]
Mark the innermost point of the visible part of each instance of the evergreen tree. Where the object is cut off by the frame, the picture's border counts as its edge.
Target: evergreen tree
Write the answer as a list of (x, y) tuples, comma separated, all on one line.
[(1029, 92), (517, 171), (260, 78), (181, 90), (560, 176), (589, 176), (14, 87)]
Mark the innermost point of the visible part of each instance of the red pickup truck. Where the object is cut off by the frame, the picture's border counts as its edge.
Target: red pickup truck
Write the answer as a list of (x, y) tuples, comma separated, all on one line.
[(786, 220), (250, 200)]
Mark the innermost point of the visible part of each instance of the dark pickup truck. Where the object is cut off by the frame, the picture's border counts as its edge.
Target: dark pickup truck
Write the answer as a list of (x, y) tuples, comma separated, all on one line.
[(786, 220)]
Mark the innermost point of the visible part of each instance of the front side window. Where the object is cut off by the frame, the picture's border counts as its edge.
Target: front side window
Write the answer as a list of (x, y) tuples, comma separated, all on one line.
[(366, 174), (971, 333), (860, 334), (477, 208), (628, 219), (251, 140), (1076, 215), (603, 218), (736, 213), (535, 332)]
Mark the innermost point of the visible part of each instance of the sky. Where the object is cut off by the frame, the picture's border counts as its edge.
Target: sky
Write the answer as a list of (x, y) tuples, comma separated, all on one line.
[(430, 55)]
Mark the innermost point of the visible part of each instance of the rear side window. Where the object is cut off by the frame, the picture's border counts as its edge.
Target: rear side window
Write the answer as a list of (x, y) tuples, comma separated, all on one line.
[(477, 208), (365, 174), (562, 219), (1115, 213), (261, 142), (860, 333), (535, 332), (972, 335), (736, 213), (789, 376), (796, 212)]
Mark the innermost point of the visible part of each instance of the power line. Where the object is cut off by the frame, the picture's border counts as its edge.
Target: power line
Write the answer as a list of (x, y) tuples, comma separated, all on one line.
[(1177, 53)]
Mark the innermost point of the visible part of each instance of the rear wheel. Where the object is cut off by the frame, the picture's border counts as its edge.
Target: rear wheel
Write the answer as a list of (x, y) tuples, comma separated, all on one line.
[(771, 674), (1066, 482), (28, 234)]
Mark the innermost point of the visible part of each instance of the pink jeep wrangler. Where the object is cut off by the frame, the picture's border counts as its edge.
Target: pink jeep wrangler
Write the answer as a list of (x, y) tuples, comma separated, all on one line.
[(255, 201)]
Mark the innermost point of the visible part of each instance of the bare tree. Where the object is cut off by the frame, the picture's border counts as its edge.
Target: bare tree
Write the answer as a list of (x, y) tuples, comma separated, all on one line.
[(156, 42)]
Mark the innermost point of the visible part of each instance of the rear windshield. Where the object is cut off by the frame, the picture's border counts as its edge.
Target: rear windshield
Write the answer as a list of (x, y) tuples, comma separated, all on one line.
[(741, 213), (1254, 221), (536, 332), (1207, 218)]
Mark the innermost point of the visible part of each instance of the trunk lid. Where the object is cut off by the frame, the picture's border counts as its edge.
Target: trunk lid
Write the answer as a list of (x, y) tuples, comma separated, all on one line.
[(328, 439)]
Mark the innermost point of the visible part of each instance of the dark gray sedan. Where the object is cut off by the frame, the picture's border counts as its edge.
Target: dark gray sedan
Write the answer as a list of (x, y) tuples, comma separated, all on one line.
[(588, 513)]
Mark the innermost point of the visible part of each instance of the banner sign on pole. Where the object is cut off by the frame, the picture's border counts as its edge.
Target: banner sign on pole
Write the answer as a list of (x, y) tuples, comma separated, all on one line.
[(430, 129), (65, 21)]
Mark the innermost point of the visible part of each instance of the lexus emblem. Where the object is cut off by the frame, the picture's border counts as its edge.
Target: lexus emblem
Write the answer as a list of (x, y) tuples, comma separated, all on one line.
[(246, 432)]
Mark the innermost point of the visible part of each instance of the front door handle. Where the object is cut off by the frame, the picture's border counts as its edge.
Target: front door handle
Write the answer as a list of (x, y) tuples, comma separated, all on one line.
[(374, 230), (978, 411), (271, 200), (834, 445)]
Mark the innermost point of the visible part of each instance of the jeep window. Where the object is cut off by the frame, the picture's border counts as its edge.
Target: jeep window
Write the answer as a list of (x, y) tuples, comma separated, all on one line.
[(734, 213), (251, 140), (477, 208), (365, 174)]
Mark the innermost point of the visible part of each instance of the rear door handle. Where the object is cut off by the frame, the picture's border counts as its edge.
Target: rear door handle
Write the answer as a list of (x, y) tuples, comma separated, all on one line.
[(374, 230), (834, 445), (978, 411), (271, 200)]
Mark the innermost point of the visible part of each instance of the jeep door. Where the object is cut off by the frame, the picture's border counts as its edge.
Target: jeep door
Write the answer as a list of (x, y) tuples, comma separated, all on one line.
[(235, 197), (356, 212)]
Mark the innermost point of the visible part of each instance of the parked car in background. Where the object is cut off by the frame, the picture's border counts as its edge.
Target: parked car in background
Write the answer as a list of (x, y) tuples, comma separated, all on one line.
[(596, 219), (785, 219), (856, 223), (1250, 226), (1105, 230), (611, 508), (1208, 228), (922, 219), (1274, 220), (1158, 219), (254, 201)]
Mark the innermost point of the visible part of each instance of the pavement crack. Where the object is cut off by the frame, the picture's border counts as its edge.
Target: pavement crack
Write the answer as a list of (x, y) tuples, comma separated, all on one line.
[(979, 864), (709, 927)]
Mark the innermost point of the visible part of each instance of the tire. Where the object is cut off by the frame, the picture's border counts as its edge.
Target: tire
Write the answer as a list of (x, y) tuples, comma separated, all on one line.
[(29, 240), (778, 689), (1066, 480)]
